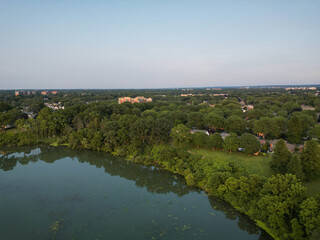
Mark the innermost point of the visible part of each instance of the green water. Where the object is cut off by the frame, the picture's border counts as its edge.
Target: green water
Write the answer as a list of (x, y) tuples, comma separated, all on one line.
[(58, 193)]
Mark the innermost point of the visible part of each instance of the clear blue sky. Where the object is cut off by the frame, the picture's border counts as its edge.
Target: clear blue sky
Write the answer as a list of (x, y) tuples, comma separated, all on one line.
[(153, 44)]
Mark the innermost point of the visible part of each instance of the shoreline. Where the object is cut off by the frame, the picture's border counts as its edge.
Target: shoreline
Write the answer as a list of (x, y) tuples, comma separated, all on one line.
[(258, 223)]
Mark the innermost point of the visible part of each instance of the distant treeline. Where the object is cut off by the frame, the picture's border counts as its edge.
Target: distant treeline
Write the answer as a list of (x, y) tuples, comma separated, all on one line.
[(158, 133)]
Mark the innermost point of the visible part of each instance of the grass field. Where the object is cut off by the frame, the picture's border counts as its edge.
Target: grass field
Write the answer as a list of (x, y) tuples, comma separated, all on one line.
[(256, 164)]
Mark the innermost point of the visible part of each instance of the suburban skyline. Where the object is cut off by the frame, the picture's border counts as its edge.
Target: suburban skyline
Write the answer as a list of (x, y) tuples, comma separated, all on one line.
[(167, 44), (170, 88)]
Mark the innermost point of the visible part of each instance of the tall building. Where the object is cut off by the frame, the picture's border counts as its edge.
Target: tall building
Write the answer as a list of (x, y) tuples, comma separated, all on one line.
[(139, 99), (24, 93)]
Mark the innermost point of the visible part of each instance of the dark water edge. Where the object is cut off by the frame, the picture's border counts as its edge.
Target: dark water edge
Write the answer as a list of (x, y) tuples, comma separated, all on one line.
[(170, 201)]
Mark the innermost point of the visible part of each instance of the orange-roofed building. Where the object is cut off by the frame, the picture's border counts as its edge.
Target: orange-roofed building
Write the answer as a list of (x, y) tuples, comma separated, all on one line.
[(139, 99)]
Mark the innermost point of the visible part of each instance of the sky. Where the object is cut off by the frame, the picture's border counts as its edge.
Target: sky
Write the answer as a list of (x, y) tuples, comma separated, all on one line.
[(91, 44)]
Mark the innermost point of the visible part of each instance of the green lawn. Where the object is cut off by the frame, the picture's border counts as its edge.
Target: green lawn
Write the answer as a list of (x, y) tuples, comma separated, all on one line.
[(256, 164), (56, 144)]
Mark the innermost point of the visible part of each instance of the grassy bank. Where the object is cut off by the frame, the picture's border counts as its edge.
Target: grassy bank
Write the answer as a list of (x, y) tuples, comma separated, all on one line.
[(211, 171), (256, 164), (56, 144)]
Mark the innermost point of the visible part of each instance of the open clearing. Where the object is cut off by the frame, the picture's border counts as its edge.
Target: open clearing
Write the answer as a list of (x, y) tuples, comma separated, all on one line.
[(256, 164)]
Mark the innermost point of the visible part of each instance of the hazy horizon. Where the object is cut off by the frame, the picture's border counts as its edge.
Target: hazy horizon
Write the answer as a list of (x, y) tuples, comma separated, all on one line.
[(191, 87), (167, 44)]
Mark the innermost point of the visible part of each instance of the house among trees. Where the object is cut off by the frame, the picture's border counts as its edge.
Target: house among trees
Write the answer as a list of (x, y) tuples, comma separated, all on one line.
[(197, 130), (291, 147), (247, 107), (55, 106), (305, 107), (46, 93)]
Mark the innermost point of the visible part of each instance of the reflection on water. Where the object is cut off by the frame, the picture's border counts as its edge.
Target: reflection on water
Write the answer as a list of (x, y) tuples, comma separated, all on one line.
[(106, 197)]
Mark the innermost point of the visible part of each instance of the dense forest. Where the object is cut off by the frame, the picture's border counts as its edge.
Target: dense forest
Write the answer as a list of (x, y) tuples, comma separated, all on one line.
[(283, 123)]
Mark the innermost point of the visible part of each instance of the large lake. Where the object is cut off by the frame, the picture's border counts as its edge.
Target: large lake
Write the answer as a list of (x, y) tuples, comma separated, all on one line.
[(58, 193)]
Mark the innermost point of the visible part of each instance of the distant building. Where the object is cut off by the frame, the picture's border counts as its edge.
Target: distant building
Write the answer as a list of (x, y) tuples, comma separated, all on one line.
[(197, 130), (55, 106), (54, 92), (45, 93), (216, 89), (291, 147), (124, 99), (301, 88), (139, 99), (24, 93), (304, 107), (220, 94)]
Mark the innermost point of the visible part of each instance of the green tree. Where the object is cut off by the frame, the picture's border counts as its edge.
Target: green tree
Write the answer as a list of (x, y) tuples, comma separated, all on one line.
[(190, 179), (280, 199), (280, 158), (249, 190), (36, 107), (294, 130), (214, 121), (297, 230), (307, 120), (250, 143), (136, 111), (181, 136), (97, 141), (140, 131), (281, 124), (291, 107), (231, 143), (232, 108), (216, 179), (268, 127), (310, 216), (315, 132), (149, 113), (199, 139), (310, 159), (196, 119), (295, 167), (235, 124), (215, 141), (5, 106), (160, 129), (46, 122)]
